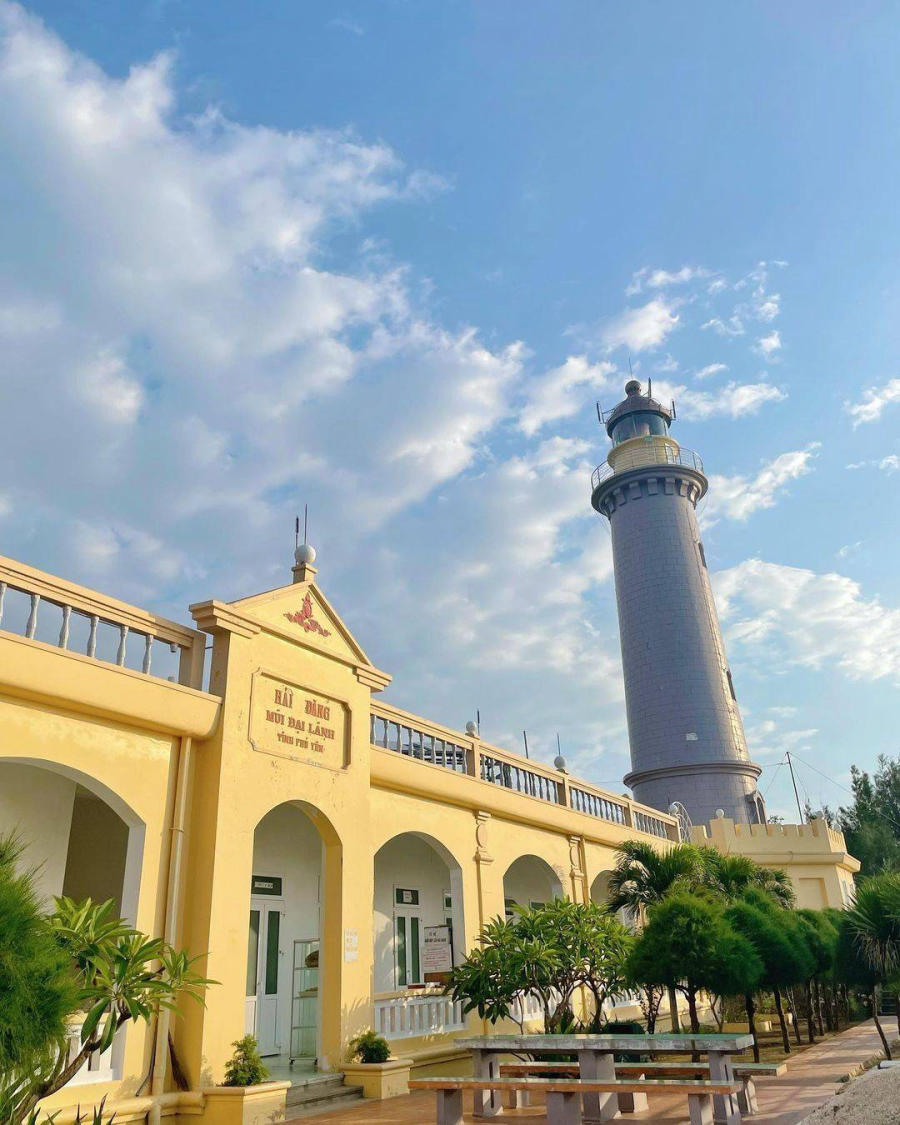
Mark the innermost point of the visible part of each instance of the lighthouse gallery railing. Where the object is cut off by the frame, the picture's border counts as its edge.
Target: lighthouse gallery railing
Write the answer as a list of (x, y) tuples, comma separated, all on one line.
[(642, 458)]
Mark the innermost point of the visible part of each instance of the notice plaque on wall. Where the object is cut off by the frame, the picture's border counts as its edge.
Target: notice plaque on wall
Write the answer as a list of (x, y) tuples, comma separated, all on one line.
[(292, 722), (436, 956)]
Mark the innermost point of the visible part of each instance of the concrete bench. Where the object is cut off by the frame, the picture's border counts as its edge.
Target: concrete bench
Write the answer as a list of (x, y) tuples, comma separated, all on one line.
[(563, 1095), (632, 1103)]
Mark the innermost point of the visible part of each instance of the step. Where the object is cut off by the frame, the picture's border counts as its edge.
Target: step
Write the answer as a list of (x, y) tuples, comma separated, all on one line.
[(315, 1088), (340, 1099)]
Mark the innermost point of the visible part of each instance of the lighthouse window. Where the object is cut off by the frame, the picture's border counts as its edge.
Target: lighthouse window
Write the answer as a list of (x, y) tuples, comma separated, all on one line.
[(623, 429), (639, 424), (730, 684), (702, 554)]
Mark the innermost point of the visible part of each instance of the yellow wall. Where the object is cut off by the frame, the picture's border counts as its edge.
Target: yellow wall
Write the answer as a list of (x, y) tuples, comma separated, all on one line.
[(129, 737)]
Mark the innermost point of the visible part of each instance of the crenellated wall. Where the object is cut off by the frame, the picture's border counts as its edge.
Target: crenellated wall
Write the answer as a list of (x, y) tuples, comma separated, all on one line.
[(814, 855)]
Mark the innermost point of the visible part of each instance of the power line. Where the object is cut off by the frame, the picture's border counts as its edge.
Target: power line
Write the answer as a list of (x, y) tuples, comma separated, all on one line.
[(884, 816)]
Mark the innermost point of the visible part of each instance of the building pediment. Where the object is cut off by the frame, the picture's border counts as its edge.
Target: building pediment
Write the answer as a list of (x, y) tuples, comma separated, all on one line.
[(299, 613)]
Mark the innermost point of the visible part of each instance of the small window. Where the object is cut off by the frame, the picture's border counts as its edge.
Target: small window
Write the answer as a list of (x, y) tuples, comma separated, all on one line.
[(730, 684), (403, 896), (702, 555)]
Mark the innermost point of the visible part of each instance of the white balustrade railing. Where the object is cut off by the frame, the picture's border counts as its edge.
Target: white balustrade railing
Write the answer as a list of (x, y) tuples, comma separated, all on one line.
[(528, 1009), (97, 1068), (403, 1017), (73, 618)]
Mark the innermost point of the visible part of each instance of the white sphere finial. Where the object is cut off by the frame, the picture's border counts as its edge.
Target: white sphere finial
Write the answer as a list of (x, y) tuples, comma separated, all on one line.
[(305, 555), (471, 727), (720, 814), (560, 762)]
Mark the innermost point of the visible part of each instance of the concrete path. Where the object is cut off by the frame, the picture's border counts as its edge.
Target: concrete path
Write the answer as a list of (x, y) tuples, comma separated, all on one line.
[(813, 1076)]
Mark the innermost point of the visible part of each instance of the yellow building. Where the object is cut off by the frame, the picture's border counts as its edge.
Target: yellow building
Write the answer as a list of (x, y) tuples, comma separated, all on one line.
[(329, 854)]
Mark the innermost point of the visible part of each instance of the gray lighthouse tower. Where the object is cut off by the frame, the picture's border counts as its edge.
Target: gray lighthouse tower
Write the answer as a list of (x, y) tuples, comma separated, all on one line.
[(684, 726)]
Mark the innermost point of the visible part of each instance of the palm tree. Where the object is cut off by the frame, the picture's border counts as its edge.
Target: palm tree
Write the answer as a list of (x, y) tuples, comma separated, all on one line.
[(729, 876), (874, 920), (644, 876)]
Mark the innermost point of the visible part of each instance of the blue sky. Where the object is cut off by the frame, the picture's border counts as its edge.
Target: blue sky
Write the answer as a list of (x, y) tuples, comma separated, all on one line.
[(383, 258)]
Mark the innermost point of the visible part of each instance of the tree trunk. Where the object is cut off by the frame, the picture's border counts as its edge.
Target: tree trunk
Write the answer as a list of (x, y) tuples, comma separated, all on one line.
[(675, 1023), (692, 1008), (751, 1024), (826, 1006), (810, 1026), (820, 1004), (873, 1000), (784, 1032), (794, 1017)]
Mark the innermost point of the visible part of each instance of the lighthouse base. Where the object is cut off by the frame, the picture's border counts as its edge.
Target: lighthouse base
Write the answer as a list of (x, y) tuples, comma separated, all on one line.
[(706, 789)]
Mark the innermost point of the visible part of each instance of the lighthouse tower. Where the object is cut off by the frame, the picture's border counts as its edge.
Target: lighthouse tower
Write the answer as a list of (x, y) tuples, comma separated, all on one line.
[(684, 726)]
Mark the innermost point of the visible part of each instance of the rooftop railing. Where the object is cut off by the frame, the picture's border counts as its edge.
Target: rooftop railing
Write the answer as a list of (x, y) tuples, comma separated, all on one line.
[(42, 607), (643, 457), (416, 738)]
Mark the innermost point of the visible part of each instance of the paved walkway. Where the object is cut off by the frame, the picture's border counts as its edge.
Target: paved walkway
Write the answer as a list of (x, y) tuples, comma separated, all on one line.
[(812, 1077)]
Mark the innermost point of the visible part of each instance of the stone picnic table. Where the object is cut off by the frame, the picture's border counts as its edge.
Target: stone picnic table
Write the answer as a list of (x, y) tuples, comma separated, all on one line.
[(596, 1060)]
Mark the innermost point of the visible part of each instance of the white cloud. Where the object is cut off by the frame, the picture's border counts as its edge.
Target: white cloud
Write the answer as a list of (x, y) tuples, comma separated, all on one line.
[(731, 400), (873, 402), (647, 278), (769, 739), (733, 326), (106, 383), (709, 370), (849, 549), (345, 23), (777, 615), (667, 364), (738, 497), (641, 329), (185, 280), (768, 345), (563, 391), (888, 464)]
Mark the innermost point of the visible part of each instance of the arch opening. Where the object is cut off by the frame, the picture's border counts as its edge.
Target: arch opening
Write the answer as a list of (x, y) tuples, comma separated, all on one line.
[(82, 841), (530, 881), (419, 924), (287, 960)]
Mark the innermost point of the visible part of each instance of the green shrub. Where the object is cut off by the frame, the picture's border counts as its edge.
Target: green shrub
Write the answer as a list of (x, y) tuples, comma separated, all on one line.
[(245, 1067), (370, 1047)]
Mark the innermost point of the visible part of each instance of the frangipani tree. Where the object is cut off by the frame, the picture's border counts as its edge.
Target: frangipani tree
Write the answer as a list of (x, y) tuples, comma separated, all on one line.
[(81, 958), (548, 952)]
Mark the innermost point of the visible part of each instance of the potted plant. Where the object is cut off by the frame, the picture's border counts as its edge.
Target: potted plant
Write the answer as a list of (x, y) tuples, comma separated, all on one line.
[(372, 1067), (245, 1097)]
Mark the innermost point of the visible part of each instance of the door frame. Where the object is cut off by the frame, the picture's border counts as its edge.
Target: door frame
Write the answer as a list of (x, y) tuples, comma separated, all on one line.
[(267, 904)]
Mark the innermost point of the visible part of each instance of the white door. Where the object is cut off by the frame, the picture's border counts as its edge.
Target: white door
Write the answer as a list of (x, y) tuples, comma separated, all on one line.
[(407, 947), (263, 968)]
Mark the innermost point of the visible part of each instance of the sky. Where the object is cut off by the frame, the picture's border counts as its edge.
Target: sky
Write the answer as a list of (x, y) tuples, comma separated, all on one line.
[(384, 258)]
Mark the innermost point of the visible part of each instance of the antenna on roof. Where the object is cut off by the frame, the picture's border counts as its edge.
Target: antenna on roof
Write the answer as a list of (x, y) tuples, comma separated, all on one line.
[(558, 747), (525, 739), (296, 533), (478, 719), (630, 372), (649, 388), (673, 409), (599, 414)]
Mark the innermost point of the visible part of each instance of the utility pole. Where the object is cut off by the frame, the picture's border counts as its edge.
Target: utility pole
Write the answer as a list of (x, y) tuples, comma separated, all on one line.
[(794, 783)]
